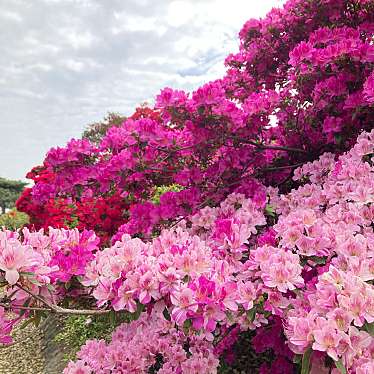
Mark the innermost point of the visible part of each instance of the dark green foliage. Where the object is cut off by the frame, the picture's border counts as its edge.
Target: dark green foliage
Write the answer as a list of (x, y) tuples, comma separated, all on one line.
[(10, 190)]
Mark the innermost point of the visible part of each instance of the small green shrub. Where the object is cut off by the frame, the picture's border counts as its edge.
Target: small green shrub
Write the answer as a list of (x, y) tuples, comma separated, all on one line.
[(162, 189), (77, 330), (13, 220)]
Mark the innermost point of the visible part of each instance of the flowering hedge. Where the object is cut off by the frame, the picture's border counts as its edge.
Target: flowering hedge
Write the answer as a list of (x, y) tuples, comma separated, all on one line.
[(270, 228)]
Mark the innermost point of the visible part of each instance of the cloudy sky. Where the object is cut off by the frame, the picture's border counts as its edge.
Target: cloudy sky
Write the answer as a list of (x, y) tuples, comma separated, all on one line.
[(66, 63)]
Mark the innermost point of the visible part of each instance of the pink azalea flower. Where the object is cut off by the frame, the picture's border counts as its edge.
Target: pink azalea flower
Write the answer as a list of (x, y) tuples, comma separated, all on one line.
[(103, 292), (227, 296), (354, 304), (366, 368), (282, 271), (299, 332), (15, 257), (327, 339), (209, 317), (358, 340), (247, 294), (78, 367), (124, 299), (341, 318), (184, 304), (148, 287)]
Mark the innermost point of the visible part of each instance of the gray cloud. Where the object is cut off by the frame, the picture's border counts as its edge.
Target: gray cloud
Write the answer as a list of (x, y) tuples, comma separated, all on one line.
[(66, 63)]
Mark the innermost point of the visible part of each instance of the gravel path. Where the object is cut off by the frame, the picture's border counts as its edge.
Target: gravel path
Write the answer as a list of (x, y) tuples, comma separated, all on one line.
[(25, 356), (34, 351)]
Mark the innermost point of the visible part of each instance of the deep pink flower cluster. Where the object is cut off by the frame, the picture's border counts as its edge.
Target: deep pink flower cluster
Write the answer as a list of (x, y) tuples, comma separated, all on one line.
[(271, 337), (302, 79)]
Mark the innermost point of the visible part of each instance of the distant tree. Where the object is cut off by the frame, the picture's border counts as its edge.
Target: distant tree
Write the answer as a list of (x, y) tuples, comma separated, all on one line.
[(10, 190), (95, 131)]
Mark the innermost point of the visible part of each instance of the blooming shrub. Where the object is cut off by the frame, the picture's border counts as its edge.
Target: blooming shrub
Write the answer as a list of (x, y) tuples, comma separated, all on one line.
[(269, 230), (149, 344), (100, 213), (307, 68)]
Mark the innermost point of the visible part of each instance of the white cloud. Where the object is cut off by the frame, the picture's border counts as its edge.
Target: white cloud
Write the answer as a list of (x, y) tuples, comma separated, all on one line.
[(73, 65), (66, 63), (180, 12), (12, 16), (77, 39), (136, 23)]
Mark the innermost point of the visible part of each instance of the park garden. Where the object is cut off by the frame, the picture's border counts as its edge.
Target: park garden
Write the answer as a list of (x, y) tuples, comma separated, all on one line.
[(225, 230)]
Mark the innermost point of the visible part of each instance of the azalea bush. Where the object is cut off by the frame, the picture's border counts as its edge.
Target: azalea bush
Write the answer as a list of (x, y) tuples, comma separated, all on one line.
[(233, 225)]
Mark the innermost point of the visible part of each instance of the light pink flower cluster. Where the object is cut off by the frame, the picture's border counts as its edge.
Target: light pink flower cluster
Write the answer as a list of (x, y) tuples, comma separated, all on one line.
[(335, 313), (278, 268), (16, 257), (198, 276), (149, 343), (42, 263)]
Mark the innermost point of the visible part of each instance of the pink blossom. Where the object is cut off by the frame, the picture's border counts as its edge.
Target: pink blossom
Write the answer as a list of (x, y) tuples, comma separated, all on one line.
[(282, 271), (78, 367), (327, 340), (14, 258), (184, 304), (247, 294), (124, 299)]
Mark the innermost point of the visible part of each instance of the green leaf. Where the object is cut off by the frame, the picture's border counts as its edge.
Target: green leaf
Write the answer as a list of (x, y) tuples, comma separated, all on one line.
[(67, 285), (187, 325), (318, 260), (138, 312), (50, 287), (305, 362), (27, 273), (269, 210), (37, 318), (339, 365), (251, 314), (25, 304), (34, 281), (369, 327), (229, 316), (166, 314), (186, 278), (338, 139), (201, 109), (27, 322)]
